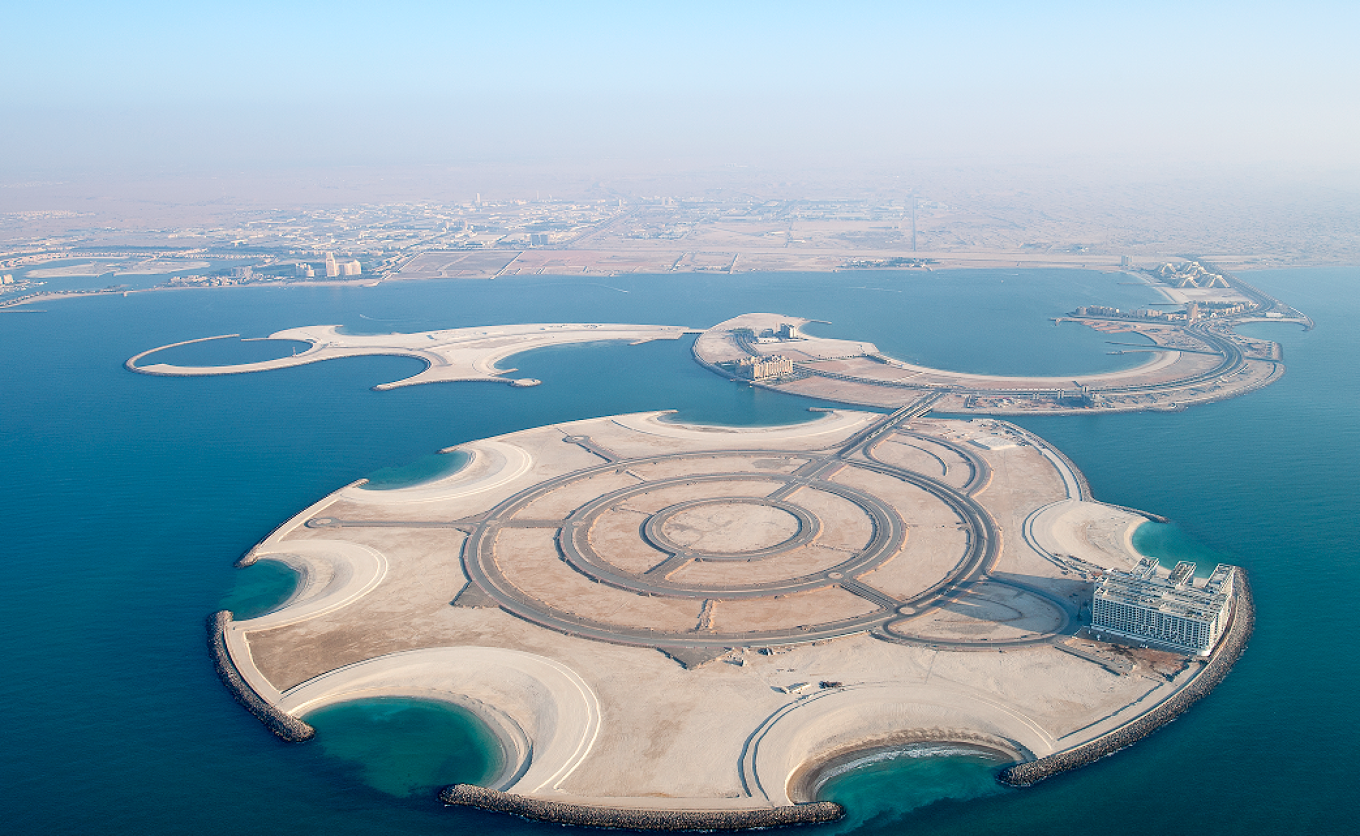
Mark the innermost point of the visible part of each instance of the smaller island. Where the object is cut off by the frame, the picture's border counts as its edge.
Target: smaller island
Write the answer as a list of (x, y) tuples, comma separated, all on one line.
[(1194, 356), (457, 354)]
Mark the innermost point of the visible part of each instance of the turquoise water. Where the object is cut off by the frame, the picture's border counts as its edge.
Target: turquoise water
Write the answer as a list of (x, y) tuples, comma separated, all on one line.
[(405, 747), (127, 498), (259, 588), (424, 469), (1170, 544), (883, 788)]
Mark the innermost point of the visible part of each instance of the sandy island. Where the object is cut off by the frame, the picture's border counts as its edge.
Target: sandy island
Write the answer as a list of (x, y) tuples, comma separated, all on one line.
[(458, 354), (673, 625), (1184, 366)]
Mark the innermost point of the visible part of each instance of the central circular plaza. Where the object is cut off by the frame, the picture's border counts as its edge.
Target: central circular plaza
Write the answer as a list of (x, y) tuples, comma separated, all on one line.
[(752, 547), (734, 528)]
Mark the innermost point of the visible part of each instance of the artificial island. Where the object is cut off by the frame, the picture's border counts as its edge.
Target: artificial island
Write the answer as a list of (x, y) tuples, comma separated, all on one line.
[(674, 626), (1194, 356)]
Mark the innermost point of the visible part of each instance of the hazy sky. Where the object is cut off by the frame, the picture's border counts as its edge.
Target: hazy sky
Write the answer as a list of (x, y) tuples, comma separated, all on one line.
[(89, 86)]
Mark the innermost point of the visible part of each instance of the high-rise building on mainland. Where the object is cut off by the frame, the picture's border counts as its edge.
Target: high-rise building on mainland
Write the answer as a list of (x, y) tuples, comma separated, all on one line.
[(352, 268), (332, 268), (1170, 613)]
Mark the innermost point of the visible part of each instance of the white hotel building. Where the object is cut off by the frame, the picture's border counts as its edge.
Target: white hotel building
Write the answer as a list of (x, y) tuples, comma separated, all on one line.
[(1166, 613)]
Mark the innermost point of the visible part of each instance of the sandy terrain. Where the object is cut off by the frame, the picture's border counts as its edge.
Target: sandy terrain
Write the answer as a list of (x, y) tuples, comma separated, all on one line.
[(798, 649), (1186, 366), (456, 354)]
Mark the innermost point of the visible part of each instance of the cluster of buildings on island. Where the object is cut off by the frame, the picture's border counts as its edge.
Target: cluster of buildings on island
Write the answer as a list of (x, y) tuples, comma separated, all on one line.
[(783, 332), (763, 368), (757, 367), (1194, 312), (196, 280), (1164, 613)]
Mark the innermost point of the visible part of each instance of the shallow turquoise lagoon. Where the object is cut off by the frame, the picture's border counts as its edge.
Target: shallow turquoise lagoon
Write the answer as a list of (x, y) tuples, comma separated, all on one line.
[(883, 787), (424, 469), (1170, 544), (406, 747), (260, 588)]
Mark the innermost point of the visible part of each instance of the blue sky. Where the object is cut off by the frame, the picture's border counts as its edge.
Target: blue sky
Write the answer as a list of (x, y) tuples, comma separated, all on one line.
[(858, 83)]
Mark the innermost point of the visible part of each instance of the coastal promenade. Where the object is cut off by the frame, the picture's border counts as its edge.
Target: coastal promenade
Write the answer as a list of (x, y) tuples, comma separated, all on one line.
[(672, 626)]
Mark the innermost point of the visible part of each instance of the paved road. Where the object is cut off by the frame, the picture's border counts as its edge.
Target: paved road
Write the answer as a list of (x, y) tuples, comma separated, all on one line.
[(981, 550)]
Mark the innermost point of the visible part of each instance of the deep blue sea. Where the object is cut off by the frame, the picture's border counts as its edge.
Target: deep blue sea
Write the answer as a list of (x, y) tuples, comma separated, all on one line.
[(126, 499)]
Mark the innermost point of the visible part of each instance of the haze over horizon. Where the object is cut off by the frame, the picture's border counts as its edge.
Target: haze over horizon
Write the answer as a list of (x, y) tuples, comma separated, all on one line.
[(567, 92)]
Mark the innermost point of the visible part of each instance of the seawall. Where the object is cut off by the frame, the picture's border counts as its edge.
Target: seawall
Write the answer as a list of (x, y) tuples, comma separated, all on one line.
[(557, 812), (1243, 622), (286, 726)]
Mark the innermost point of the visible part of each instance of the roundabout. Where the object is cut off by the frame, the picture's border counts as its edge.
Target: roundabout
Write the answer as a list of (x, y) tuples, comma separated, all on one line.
[(736, 533), (743, 528)]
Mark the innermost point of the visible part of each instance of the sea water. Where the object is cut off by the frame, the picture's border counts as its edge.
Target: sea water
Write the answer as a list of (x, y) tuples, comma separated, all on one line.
[(407, 748), (429, 468), (882, 788), (127, 498), (223, 352), (260, 588), (1171, 544)]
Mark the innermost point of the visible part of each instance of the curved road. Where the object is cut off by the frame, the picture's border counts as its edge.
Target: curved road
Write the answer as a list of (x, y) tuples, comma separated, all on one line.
[(981, 551)]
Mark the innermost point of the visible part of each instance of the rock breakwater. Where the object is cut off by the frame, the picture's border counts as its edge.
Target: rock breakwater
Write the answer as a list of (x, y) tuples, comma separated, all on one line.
[(286, 726), (468, 795), (1239, 631)]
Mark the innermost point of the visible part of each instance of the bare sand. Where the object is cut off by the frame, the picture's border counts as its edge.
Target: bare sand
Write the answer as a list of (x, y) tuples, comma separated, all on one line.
[(614, 722)]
